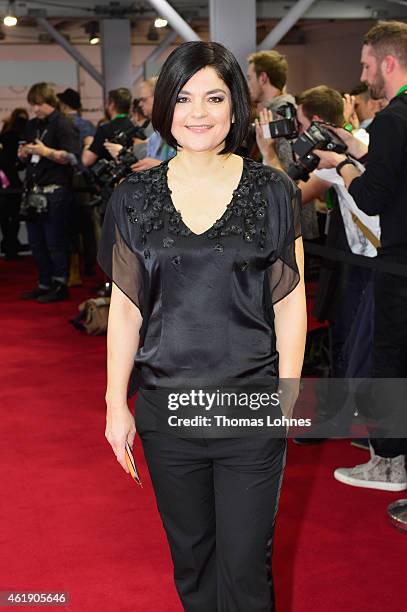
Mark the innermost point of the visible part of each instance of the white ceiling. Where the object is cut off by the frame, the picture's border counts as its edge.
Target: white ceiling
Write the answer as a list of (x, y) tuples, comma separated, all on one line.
[(266, 9), (70, 16)]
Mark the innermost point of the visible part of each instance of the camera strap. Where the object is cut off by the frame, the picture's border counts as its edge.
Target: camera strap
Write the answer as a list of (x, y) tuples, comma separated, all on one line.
[(366, 231)]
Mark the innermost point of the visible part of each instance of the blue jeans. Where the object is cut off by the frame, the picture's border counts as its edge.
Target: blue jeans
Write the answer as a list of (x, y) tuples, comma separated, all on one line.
[(49, 238)]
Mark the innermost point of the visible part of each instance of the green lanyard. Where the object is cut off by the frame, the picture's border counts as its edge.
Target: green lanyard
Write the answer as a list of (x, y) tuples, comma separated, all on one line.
[(120, 116), (401, 90)]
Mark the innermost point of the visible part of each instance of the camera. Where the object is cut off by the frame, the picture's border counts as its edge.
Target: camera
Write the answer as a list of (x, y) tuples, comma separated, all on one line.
[(317, 136), (287, 127), (125, 138), (107, 173)]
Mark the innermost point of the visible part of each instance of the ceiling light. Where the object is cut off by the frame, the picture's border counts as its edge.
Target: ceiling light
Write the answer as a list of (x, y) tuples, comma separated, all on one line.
[(92, 28), (160, 22), (10, 19)]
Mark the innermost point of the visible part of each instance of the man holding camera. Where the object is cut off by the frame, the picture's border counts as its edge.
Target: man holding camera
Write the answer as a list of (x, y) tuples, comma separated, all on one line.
[(349, 308), (382, 190), (157, 149), (83, 219), (50, 148), (118, 109), (325, 105), (267, 77)]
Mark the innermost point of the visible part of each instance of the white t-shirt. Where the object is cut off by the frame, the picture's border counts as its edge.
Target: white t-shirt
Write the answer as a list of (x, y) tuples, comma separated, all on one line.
[(357, 241)]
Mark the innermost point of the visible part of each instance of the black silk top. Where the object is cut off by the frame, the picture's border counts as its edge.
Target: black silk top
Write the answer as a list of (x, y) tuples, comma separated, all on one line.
[(206, 299)]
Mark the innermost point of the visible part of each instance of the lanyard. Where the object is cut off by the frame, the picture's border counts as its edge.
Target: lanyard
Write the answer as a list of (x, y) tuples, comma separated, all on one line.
[(41, 136), (120, 116), (401, 90)]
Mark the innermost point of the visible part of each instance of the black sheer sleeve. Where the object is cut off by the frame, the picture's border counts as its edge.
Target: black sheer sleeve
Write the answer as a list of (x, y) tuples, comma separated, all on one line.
[(285, 218), (115, 255)]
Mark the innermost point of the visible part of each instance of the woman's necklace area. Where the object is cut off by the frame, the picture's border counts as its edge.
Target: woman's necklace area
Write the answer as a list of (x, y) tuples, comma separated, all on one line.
[(189, 190)]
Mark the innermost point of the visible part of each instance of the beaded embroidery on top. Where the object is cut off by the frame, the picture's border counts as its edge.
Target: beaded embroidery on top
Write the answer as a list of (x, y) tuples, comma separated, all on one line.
[(244, 215)]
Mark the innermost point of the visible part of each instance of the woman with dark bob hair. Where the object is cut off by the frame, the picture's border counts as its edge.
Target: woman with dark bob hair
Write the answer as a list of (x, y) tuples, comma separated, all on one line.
[(206, 260)]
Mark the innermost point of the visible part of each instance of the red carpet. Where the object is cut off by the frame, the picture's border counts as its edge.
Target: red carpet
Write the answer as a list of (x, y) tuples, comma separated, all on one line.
[(72, 520)]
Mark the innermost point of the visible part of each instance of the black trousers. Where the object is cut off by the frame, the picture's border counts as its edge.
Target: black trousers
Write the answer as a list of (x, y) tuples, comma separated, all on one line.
[(390, 341), (218, 500), (10, 222)]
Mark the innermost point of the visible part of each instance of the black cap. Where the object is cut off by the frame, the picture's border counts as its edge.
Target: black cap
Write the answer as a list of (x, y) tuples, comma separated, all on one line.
[(71, 98)]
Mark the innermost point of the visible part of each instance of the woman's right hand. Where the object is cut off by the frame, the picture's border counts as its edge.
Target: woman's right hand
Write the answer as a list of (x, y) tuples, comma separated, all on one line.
[(120, 427)]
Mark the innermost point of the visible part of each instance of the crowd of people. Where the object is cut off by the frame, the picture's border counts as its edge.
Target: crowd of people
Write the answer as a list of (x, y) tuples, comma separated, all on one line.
[(352, 200)]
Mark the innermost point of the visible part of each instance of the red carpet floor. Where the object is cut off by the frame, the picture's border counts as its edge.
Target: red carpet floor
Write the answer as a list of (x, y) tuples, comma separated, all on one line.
[(72, 520)]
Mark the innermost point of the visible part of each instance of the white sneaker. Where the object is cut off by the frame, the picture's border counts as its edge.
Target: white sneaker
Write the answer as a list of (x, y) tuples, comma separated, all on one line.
[(378, 473)]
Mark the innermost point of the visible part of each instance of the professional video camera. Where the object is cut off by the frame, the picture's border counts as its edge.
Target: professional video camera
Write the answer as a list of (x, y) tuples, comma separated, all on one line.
[(318, 136), (107, 173)]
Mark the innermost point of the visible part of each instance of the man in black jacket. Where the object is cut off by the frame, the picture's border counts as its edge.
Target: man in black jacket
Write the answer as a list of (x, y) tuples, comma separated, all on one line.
[(382, 190), (51, 149), (118, 109)]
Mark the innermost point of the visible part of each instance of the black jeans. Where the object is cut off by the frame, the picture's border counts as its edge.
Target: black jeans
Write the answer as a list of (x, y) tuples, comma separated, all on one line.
[(83, 223), (390, 341), (49, 238), (218, 501)]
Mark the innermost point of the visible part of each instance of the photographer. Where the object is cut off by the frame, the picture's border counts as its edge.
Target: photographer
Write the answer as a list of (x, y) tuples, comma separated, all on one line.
[(107, 174), (51, 147), (267, 77), (83, 218), (117, 108), (325, 105), (345, 293), (139, 119), (157, 149), (382, 190), (352, 285)]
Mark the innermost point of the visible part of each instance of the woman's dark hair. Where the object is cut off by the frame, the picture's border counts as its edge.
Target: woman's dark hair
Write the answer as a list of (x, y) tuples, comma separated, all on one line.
[(180, 66), (16, 122)]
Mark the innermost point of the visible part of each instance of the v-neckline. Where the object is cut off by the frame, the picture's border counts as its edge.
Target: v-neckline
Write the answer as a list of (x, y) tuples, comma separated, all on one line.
[(228, 206)]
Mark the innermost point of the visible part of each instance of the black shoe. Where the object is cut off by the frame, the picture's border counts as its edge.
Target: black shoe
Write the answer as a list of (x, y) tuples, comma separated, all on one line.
[(35, 293), (23, 248), (58, 293), (12, 257)]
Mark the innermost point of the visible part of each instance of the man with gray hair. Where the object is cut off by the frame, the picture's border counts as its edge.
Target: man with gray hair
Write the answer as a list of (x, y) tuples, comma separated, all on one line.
[(157, 149)]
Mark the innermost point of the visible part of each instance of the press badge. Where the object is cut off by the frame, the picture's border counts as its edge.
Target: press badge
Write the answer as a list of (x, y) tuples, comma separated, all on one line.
[(35, 159)]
